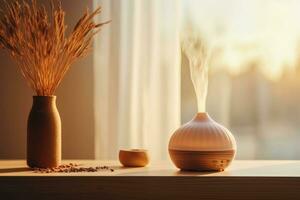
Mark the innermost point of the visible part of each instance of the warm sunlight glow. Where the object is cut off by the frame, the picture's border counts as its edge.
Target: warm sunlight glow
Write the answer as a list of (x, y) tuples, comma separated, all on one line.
[(265, 31)]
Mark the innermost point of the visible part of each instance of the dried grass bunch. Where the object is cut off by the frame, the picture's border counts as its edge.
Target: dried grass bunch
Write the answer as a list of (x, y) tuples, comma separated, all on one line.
[(36, 40)]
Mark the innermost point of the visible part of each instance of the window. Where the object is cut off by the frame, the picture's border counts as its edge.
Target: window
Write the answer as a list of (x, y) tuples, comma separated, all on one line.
[(254, 72)]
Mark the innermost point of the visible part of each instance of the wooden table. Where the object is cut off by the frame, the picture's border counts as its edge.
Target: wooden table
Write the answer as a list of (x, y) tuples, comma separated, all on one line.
[(242, 180)]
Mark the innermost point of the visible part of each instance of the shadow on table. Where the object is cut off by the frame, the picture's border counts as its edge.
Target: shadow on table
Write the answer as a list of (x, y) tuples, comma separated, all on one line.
[(141, 171), (195, 173), (11, 170)]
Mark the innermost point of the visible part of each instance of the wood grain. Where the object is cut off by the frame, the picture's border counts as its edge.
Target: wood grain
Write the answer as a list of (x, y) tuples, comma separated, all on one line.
[(243, 180), (202, 160)]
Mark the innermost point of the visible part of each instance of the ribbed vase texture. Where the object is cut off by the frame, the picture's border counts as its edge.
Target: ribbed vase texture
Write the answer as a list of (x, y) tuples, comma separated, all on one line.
[(202, 144)]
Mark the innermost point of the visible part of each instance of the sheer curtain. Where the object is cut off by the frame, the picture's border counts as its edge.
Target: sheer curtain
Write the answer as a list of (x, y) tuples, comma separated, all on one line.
[(137, 76)]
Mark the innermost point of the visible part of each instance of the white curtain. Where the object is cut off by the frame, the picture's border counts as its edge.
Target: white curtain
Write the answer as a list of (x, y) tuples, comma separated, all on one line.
[(137, 76)]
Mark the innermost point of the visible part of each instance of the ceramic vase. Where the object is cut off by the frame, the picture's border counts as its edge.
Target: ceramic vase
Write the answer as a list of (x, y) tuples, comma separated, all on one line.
[(44, 133), (202, 144)]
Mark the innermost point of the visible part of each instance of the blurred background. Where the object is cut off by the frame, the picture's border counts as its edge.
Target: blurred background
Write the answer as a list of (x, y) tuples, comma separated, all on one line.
[(134, 89), (253, 73)]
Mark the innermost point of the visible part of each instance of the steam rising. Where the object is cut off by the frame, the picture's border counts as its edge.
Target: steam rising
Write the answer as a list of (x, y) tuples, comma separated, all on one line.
[(197, 54)]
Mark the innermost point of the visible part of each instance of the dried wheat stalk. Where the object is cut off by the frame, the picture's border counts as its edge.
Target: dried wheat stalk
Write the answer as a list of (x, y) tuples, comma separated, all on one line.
[(36, 40)]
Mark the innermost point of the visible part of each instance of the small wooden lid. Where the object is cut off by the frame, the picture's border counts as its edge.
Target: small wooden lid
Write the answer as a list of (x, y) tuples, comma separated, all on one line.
[(133, 157)]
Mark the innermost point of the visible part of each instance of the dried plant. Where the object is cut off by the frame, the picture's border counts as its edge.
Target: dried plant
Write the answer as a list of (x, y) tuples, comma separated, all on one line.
[(36, 40)]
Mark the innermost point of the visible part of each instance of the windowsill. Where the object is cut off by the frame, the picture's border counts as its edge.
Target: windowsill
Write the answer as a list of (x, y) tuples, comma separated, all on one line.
[(242, 180)]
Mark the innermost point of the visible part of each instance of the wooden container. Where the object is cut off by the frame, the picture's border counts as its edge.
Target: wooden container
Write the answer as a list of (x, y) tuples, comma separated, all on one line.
[(134, 157), (44, 133), (202, 144)]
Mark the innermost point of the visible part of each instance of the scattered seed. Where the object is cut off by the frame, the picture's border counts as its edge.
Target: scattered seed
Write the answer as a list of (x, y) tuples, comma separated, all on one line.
[(71, 167)]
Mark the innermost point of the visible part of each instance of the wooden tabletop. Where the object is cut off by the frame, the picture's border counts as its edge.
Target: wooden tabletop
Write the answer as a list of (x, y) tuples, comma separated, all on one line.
[(239, 168), (242, 180)]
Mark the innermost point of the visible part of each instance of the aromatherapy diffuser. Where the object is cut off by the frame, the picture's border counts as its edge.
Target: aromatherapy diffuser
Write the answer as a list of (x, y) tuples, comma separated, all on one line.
[(201, 144)]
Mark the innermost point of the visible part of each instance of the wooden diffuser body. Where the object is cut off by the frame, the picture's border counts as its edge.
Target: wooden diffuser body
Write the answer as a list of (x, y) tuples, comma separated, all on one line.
[(203, 145)]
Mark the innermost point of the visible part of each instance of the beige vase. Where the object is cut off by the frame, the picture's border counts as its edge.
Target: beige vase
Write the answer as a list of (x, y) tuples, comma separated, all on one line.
[(44, 133), (202, 144)]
